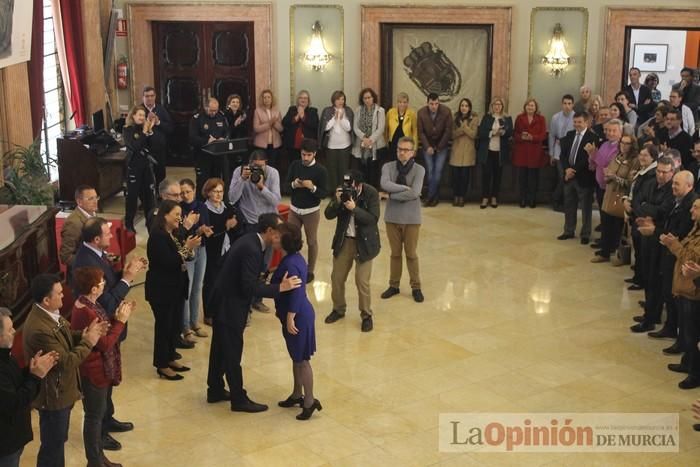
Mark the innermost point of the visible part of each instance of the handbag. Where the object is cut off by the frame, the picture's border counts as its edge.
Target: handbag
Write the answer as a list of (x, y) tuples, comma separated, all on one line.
[(612, 200)]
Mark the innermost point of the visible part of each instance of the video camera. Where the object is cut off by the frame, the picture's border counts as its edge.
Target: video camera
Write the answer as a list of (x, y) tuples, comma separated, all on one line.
[(347, 189)]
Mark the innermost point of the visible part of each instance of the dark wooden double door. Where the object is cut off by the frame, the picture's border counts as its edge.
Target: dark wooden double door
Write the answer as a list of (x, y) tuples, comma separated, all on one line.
[(194, 61)]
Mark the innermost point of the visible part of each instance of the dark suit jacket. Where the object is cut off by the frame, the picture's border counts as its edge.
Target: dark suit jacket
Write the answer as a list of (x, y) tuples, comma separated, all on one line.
[(485, 127), (584, 175), (435, 134), (691, 96), (694, 168), (115, 289), (239, 281), (643, 110), (655, 202), (166, 282), (678, 221)]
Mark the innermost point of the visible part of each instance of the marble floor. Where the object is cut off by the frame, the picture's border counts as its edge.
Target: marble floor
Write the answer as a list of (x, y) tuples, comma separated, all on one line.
[(514, 321)]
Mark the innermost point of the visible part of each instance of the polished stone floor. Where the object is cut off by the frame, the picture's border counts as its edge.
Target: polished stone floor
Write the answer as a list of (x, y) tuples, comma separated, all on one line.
[(514, 321)]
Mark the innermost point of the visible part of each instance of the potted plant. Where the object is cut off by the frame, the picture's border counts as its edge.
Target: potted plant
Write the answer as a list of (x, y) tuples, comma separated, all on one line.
[(26, 177)]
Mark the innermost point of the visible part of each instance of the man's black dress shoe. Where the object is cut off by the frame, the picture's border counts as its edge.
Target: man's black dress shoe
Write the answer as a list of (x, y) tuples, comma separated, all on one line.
[(310, 277), (585, 240), (664, 333), (638, 319), (109, 443), (390, 292), (218, 396), (642, 303), (599, 228), (183, 344), (291, 402), (248, 406), (595, 245), (564, 236), (642, 327), (333, 317), (367, 324), (178, 356), (696, 427), (677, 367), (689, 383), (675, 349), (635, 287), (417, 295), (630, 280), (115, 426)]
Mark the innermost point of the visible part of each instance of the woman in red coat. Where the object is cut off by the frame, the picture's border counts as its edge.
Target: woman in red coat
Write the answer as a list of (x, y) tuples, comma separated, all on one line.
[(102, 369), (528, 155)]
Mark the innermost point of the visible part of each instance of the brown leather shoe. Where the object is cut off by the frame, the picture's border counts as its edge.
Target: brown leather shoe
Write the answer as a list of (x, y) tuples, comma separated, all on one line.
[(107, 463)]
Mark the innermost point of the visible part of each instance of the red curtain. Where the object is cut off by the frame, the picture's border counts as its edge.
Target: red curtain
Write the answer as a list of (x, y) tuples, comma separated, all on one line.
[(73, 39), (36, 68)]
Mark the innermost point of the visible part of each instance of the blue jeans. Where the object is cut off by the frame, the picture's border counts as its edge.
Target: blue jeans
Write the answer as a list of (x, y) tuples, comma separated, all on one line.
[(195, 271), (53, 432), (11, 460), (434, 164)]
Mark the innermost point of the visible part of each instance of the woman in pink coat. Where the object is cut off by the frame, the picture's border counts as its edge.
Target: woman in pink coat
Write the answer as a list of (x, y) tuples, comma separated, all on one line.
[(528, 155), (267, 127)]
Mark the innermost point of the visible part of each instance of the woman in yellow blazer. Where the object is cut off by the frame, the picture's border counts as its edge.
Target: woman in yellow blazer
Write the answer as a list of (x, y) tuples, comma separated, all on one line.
[(463, 154), (400, 121)]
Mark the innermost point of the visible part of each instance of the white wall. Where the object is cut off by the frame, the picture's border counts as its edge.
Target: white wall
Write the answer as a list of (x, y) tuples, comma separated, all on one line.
[(520, 38), (675, 57)]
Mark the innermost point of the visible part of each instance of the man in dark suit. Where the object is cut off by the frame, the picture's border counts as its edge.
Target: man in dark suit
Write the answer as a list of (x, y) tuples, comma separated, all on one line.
[(579, 179), (675, 138), (162, 129), (96, 236), (640, 96), (694, 166), (237, 284)]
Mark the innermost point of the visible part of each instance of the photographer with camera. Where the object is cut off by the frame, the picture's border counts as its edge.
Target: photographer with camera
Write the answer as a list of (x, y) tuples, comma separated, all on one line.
[(140, 182), (308, 180), (255, 189), (205, 128), (356, 240)]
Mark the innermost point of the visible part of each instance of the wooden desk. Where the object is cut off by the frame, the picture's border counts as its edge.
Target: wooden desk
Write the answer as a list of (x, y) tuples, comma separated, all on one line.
[(78, 165)]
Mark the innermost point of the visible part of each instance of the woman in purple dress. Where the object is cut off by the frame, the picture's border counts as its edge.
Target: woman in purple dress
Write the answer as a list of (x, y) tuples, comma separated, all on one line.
[(297, 317)]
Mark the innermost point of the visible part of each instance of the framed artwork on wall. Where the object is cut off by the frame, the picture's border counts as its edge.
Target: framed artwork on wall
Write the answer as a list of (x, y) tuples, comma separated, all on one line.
[(450, 60), (650, 57), (316, 58)]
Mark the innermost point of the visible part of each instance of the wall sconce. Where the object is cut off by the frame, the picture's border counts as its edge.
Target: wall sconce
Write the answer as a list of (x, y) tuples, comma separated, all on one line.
[(557, 59), (316, 56)]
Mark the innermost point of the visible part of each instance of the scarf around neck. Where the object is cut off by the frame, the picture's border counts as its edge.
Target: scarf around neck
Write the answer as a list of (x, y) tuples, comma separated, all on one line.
[(404, 169)]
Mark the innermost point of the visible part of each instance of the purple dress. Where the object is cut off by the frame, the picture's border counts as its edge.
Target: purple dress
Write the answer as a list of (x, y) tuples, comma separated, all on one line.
[(302, 345)]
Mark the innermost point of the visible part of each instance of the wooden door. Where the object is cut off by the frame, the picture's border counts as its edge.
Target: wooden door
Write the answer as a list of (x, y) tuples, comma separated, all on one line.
[(197, 60)]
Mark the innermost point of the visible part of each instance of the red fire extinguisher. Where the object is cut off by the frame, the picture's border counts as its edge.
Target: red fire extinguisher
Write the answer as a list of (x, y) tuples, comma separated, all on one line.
[(122, 73)]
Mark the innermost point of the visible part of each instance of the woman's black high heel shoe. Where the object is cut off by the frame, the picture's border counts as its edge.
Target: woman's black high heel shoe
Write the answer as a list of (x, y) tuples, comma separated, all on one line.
[(291, 402), (169, 377), (306, 413), (179, 369)]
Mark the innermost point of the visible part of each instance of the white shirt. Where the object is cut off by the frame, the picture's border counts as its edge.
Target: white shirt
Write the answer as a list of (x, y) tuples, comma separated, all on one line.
[(559, 126), (101, 253), (339, 136), (87, 214), (262, 242), (55, 315), (495, 141)]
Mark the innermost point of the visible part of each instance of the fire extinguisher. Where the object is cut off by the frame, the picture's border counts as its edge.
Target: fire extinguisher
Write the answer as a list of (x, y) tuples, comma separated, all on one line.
[(122, 73)]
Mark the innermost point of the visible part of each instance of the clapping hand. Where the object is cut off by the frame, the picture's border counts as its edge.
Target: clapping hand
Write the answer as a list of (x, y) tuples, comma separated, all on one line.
[(231, 223), (690, 269), (289, 283), (133, 267), (94, 331), (41, 363), (191, 219), (667, 239), (589, 148), (124, 311), (193, 241), (205, 230), (646, 226)]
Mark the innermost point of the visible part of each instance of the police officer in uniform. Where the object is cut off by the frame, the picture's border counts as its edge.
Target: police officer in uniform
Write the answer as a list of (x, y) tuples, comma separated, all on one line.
[(205, 128), (140, 181)]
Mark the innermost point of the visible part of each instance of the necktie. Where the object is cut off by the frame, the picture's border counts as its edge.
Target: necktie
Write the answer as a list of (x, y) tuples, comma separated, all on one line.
[(574, 150)]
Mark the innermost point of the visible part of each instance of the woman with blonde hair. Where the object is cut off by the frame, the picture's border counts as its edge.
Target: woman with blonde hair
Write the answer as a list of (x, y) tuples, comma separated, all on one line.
[(495, 131), (267, 127), (401, 120), (300, 121), (139, 173)]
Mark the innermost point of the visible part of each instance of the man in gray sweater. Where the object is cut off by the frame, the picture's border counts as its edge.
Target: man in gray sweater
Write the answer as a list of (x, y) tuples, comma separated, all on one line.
[(403, 181)]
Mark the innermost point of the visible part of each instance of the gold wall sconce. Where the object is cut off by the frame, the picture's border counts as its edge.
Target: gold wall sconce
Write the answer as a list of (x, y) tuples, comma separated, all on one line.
[(556, 58), (316, 56)]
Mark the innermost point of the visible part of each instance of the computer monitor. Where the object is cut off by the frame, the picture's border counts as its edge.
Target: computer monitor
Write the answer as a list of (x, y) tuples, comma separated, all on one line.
[(98, 121)]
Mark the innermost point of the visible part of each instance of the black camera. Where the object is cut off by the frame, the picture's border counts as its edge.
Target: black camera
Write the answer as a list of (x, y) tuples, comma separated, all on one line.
[(347, 189), (501, 122), (257, 173)]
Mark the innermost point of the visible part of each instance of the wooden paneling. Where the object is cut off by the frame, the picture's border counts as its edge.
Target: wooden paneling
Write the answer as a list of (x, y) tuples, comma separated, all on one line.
[(614, 44), (499, 17), (94, 59), (140, 17), (15, 111)]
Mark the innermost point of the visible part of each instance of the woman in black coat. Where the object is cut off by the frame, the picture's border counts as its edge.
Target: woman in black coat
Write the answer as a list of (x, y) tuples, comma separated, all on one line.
[(300, 121), (139, 174), (167, 284)]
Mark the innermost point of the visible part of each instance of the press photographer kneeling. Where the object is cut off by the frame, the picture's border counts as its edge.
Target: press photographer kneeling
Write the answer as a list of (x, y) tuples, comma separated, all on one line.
[(356, 240)]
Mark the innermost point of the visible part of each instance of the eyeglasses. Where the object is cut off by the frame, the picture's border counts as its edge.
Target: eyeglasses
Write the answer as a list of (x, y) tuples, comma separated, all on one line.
[(404, 149), (174, 194), (92, 198), (217, 191), (664, 172)]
